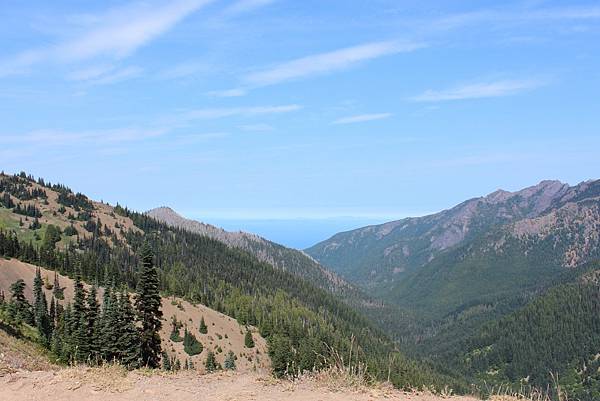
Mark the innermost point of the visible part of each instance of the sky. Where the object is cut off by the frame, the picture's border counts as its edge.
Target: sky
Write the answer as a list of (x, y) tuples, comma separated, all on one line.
[(296, 119)]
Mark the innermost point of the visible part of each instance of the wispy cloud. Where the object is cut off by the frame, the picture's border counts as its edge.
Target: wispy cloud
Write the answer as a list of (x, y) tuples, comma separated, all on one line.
[(242, 6), (504, 16), (362, 118), (324, 63), (91, 72), (187, 69), (103, 75), (479, 90), (60, 137), (216, 113), (235, 92), (114, 34), (256, 127)]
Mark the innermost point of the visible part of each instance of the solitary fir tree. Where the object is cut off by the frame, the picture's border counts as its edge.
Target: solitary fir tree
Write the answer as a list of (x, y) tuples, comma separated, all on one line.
[(190, 344), (229, 363), (40, 310), (56, 290), (19, 309), (148, 309), (175, 324), (248, 340), (211, 362), (203, 329)]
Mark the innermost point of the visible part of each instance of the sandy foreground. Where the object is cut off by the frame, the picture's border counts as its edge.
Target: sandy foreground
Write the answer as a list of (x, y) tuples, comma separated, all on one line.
[(99, 384)]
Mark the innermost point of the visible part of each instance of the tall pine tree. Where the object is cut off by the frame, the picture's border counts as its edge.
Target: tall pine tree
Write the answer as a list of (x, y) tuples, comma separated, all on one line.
[(148, 304), (129, 340), (40, 310), (79, 323), (93, 325)]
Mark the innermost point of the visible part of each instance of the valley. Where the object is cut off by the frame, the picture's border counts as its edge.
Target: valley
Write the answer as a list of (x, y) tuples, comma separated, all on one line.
[(490, 264)]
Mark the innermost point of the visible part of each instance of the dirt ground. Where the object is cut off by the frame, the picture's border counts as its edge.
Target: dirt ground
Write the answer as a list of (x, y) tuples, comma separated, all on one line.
[(111, 385)]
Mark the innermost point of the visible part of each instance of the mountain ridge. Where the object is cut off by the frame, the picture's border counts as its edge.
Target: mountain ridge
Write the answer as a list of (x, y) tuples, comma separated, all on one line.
[(378, 253), (267, 251)]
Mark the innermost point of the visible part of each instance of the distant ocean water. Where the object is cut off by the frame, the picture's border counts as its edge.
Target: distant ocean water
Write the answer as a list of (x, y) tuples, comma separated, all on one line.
[(295, 233)]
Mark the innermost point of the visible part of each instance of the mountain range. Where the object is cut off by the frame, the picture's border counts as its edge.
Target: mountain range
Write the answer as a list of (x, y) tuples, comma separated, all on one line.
[(474, 253)]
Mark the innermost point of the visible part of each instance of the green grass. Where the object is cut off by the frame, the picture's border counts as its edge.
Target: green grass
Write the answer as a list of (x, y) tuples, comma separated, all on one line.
[(9, 221)]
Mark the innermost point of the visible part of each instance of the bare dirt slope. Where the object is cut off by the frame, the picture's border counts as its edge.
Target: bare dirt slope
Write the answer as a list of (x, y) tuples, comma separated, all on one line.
[(224, 333), (106, 385)]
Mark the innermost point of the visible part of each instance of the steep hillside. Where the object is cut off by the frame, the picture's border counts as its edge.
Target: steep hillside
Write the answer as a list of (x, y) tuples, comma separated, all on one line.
[(377, 254), (475, 253), (284, 258), (224, 333), (558, 333), (305, 326), (519, 257)]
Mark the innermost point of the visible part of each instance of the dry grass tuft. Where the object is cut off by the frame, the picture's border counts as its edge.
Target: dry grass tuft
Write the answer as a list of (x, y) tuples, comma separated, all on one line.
[(111, 378), (20, 354)]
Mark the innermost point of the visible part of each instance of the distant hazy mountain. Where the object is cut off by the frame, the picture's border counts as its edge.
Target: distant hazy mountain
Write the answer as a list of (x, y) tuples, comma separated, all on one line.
[(480, 250), (277, 255)]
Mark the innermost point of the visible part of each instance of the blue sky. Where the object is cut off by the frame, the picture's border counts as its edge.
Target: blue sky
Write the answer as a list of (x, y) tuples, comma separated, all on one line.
[(250, 110)]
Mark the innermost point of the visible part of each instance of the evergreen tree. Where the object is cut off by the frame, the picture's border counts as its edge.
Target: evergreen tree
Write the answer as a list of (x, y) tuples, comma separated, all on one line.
[(203, 329), (109, 346), (81, 344), (148, 308), (129, 342), (66, 346), (79, 322), (280, 351), (57, 291), (175, 336), (52, 313), (211, 362), (166, 361), (40, 310), (37, 289), (230, 361), (19, 309), (190, 344), (248, 340), (93, 325)]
